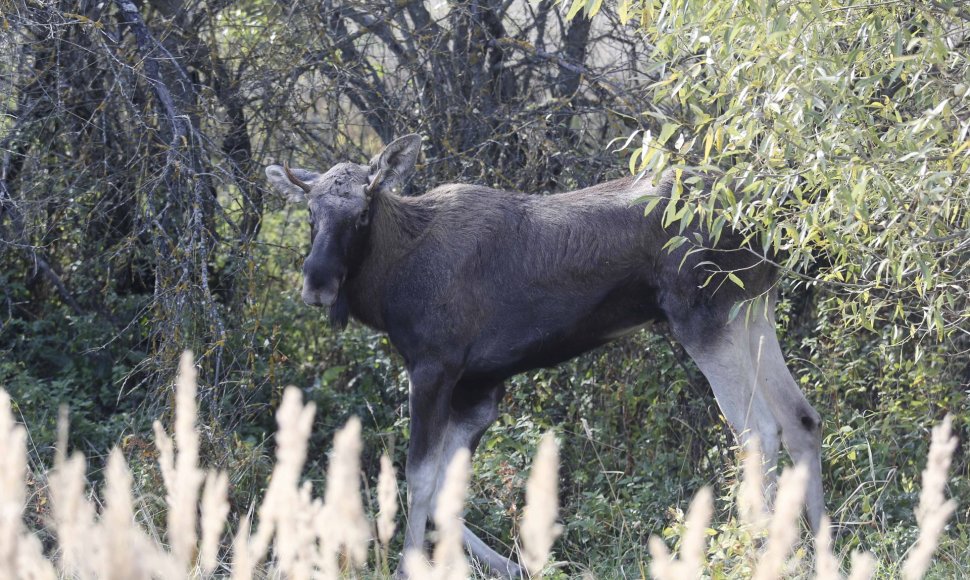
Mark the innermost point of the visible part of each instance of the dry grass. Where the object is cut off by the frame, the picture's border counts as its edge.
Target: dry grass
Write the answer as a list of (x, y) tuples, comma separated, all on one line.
[(539, 528), (302, 537), (781, 531), (934, 509)]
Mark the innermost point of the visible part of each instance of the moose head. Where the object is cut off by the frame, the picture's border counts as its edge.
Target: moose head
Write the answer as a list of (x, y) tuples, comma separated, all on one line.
[(340, 203)]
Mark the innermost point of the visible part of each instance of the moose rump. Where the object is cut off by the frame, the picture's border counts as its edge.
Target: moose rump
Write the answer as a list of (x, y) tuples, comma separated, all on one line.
[(474, 285)]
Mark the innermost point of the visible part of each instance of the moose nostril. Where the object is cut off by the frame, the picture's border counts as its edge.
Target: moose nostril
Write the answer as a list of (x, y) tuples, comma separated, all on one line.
[(315, 276)]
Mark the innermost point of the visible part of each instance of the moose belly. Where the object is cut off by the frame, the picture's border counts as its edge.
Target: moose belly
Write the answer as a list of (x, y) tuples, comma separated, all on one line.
[(547, 335)]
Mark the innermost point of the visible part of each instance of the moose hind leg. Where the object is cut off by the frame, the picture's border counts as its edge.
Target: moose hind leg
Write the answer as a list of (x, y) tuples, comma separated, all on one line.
[(724, 357), (800, 422)]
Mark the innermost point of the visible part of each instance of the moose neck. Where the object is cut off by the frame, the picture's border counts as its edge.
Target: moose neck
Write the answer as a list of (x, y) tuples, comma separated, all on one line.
[(396, 225)]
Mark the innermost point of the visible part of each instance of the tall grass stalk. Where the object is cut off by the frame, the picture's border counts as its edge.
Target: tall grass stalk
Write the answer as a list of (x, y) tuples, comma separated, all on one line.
[(343, 503), (826, 564), (934, 509), (863, 565), (281, 503), (183, 497), (387, 506), (13, 472), (539, 529), (303, 537), (21, 554), (783, 529), (691, 560), (751, 494), (215, 509)]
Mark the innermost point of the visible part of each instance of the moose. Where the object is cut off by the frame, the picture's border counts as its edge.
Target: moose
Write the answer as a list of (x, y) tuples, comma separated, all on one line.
[(473, 285)]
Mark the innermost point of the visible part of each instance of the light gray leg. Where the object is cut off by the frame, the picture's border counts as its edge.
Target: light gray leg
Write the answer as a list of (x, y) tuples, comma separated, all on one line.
[(800, 423), (730, 369), (733, 371), (769, 448), (431, 389), (421, 477), (465, 427), (495, 562)]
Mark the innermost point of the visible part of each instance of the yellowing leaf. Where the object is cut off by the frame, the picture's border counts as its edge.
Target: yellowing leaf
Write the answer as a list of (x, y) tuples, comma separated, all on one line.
[(575, 8), (623, 10), (633, 159), (646, 14)]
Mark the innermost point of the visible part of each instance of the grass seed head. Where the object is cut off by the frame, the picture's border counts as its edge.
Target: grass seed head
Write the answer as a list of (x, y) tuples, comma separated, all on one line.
[(13, 471), (539, 528), (692, 547), (783, 529), (295, 423), (118, 520), (449, 554), (826, 564), (386, 500), (751, 494), (863, 565), (215, 508), (934, 509), (188, 477), (342, 501)]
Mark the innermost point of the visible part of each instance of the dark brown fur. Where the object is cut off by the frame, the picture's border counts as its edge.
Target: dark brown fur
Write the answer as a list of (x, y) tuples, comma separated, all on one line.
[(474, 285)]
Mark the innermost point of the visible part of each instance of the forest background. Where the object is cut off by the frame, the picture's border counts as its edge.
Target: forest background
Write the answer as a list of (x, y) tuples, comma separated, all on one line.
[(135, 222)]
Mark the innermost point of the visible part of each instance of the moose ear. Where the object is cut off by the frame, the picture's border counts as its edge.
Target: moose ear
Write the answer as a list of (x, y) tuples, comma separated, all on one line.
[(285, 186), (392, 168)]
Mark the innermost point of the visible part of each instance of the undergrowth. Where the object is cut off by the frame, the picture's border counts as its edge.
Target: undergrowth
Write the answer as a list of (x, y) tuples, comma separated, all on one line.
[(52, 526)]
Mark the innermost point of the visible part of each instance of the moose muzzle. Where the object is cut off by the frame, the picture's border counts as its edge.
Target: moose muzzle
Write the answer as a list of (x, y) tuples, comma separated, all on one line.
[(321, 282)]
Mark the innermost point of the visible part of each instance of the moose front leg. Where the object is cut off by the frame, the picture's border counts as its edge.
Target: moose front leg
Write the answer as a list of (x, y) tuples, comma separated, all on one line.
[(446, 417), (429, 401), (474, 407), (757, 394)]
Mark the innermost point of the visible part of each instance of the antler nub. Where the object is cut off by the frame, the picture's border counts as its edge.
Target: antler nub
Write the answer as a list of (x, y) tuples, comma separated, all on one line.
[(295, 180), (375, 182)]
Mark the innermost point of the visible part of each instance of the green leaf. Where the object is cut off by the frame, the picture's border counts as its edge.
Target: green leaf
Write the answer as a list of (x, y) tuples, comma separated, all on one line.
[(666, 131), (575, 8), (651, 205), (822, 166), (633, 159)]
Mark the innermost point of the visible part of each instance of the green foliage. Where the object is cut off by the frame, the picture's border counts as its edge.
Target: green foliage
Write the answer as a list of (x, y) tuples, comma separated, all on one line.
[(840, 138), (841, 131), (46, 363), (641, 398)]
